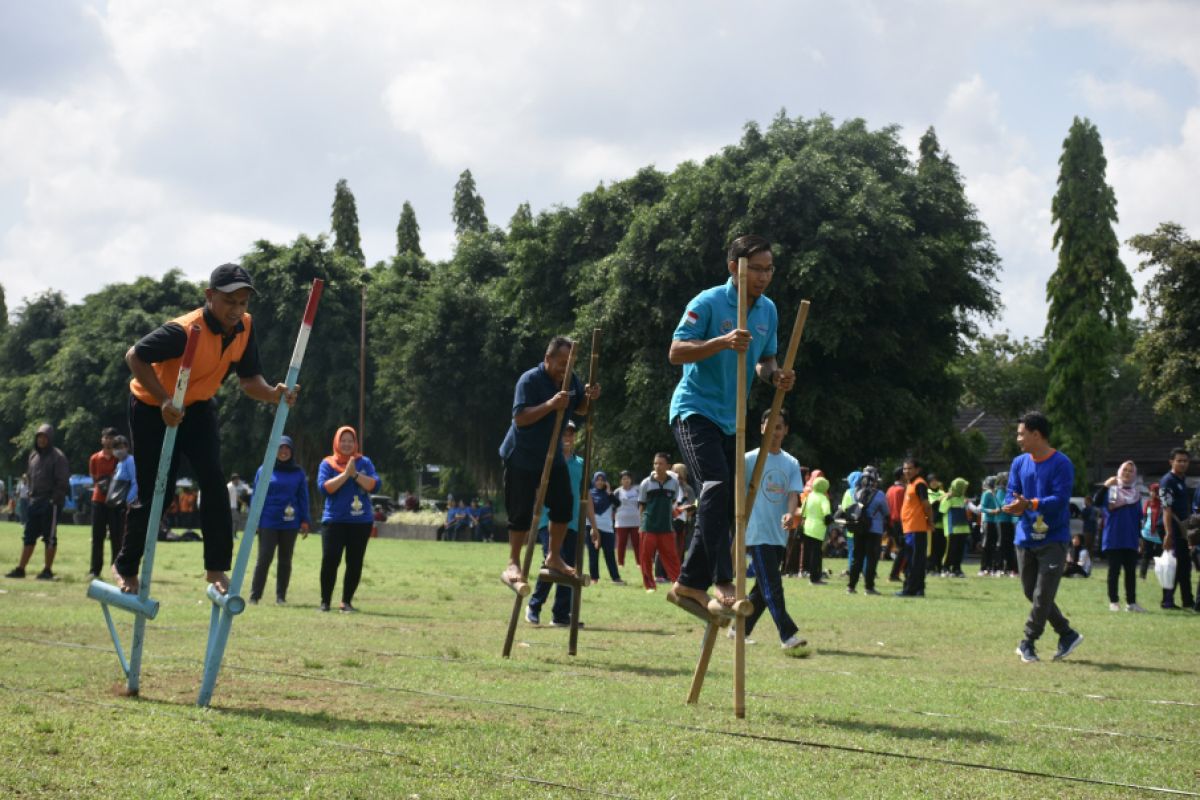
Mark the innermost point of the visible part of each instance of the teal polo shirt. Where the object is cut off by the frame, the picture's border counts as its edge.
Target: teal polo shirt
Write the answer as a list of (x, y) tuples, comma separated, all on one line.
[(709, 387)]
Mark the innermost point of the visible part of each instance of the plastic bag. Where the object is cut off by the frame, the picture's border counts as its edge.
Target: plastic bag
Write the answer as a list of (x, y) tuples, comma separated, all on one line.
[(1164, 570)]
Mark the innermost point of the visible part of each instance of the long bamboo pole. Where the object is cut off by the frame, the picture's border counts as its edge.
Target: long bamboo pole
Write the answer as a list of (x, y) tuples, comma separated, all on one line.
[(739, 494), (576, 594)]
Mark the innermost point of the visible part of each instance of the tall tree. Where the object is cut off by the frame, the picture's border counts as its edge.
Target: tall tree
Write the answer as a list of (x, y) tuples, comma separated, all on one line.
[(344, 218), (1169, 350), (408, 233), (1090, 296), (3, 312), (468, 213)]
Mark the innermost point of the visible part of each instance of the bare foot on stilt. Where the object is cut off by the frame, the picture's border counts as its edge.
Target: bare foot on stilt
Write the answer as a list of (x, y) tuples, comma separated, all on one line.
[(558, 565), (726, 593), (692, 594), (218, 579), (126, 583), (511, 574)]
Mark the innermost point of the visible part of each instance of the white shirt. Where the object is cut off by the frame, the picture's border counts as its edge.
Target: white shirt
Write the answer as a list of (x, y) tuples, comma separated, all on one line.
[(628, 515)]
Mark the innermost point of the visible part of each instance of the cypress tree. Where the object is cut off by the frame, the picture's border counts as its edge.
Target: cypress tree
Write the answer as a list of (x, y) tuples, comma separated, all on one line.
[(344, 218), (468, 213), (1090, 296), (408, 233)]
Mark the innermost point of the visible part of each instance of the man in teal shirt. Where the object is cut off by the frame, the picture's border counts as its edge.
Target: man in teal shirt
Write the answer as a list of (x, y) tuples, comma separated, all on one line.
[(706, 343)]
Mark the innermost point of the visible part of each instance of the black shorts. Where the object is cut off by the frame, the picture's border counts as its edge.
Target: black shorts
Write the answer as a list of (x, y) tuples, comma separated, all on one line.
[(42, 523), (520, 490)]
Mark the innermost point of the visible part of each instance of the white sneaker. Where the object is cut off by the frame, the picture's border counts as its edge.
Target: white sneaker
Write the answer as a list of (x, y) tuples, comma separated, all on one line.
[(1134, 607), (732, 634), (1114, 606), (793, 642)]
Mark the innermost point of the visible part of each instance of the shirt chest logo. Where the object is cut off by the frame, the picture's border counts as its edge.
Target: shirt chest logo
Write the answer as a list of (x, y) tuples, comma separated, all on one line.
[(356, 506), (726, 325)]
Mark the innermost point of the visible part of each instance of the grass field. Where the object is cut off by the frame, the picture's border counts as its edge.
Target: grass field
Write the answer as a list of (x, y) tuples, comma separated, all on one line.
[(410, 697)]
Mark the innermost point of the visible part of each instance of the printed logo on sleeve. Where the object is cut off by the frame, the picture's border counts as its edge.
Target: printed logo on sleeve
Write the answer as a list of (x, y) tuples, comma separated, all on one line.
[(691, 317)]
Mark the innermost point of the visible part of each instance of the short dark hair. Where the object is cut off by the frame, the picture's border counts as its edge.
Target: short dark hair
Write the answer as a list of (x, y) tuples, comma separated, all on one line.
[(748, 245), (783, 415), (897, 473), (913, 460), (557, 343), (110, 431), (1036, 421), (1179, 451), (118, 439), (664, 456)]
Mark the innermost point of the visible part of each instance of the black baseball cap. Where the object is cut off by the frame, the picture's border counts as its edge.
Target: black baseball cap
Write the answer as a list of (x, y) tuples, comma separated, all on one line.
[(230, 278)]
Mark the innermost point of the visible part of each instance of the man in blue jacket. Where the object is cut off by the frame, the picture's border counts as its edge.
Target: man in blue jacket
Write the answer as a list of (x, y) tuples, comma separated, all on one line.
[(1039, 495)]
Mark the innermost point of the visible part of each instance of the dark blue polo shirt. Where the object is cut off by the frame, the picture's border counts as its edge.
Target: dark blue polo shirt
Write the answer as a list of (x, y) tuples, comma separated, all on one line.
[(526, 447)]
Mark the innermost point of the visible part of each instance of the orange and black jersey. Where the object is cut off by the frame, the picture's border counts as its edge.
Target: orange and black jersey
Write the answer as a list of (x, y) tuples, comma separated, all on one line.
[(163, 347)]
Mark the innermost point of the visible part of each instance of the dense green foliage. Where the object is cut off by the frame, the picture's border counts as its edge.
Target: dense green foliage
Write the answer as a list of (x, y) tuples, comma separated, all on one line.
[(1169, 350), (1090, 296), (889, 250)]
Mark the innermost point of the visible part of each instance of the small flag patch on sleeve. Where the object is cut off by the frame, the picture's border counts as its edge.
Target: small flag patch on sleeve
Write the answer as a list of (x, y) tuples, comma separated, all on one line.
[(691, 317)]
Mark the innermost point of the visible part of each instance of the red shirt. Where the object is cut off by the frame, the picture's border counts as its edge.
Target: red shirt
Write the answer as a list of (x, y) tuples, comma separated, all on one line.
[(895, 499), (100, 466)]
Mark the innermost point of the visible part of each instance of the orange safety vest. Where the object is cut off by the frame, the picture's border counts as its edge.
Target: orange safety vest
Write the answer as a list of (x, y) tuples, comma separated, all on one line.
[(912, 513), (209, 367)]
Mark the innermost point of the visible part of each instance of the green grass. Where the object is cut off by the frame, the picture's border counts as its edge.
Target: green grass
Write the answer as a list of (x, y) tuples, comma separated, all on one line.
[(410, 698)]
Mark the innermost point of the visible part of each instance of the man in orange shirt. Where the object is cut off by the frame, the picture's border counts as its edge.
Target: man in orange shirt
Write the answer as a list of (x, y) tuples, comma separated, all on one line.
[(916, 516), (107, 521), (227, 344)]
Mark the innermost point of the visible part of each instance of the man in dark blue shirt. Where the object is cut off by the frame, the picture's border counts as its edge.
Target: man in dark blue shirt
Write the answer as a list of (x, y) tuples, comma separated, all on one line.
[(536, 399), (1176, 507)]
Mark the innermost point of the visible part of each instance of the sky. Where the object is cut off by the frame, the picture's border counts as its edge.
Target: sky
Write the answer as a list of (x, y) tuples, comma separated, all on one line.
[(138, 136)]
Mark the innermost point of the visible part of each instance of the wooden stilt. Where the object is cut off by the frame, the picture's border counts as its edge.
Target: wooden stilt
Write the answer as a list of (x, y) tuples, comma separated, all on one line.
[(539, 501), (576, 595), (706, 648), (739, 500)]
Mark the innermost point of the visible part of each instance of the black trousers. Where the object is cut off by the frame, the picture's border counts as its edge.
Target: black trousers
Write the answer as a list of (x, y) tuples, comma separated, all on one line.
[(1118, 560), (814, 553), (991, 547), (937, 552), (199, 438), (767, 594), (956, 549), (900, 564), (336, 537), (1008, 548), (708, 453), (866, 557), (108, 522), (270, 540), (1183, 571)]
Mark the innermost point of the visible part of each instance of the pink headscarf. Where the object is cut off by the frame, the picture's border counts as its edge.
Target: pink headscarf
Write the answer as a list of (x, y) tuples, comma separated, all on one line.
[(1124, 493)]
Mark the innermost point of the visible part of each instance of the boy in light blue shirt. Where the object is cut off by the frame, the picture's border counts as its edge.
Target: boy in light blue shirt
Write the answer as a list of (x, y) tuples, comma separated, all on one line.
[(775, 507)]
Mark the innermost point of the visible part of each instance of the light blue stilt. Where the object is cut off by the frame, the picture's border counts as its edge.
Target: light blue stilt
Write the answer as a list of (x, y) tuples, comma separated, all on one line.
[(141, 605), (226, 607)]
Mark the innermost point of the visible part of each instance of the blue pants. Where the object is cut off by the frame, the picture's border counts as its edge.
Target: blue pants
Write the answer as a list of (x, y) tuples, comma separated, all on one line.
[(915, 549), (767, 593), (561, 612), (608, 545)]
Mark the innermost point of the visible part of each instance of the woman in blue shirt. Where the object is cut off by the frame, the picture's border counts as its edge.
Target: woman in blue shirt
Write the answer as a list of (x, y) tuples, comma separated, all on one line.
[(346, 479), (284, 514), (1121, 501)]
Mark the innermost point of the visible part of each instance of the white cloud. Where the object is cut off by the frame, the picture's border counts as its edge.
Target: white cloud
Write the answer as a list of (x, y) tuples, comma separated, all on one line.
[(1120, 96)]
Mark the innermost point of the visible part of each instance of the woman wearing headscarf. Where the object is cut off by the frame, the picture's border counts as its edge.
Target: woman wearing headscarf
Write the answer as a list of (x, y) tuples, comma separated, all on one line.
[(1008, 531), (954, 511), (847, 502), (990, 505), (817, 516), (1121, 502), (346, 479), (284, 515), (1152, 530), (601, 535)]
